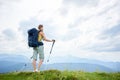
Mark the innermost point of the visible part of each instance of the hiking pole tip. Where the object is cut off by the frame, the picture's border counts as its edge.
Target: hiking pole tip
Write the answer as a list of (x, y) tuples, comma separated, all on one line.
[(47, 60)]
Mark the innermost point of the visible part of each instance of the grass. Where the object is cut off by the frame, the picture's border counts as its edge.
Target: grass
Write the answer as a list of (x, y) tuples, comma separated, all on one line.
[(60, 75)]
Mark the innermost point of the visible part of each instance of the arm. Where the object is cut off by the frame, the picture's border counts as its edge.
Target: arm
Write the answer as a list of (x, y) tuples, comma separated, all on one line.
[(44, 38)]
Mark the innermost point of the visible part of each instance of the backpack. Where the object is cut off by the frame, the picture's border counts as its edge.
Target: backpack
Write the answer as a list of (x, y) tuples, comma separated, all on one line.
[(33, 38)]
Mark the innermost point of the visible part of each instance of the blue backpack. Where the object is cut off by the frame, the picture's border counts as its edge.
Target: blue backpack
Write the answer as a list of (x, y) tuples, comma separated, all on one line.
[(33, 38)]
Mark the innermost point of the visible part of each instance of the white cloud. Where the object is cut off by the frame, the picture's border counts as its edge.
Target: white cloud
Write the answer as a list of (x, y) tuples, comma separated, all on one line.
[(76, 28)]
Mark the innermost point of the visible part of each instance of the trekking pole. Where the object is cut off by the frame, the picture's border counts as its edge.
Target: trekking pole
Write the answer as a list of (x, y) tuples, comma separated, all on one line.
[(23, 67), (51, 51)]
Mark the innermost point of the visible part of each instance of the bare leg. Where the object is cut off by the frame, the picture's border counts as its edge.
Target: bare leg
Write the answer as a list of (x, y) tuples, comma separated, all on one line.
[(34, 64), (40, 63)]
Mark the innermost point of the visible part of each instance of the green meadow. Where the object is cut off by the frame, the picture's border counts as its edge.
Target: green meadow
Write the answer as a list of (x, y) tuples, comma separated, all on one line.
[(60, 75)]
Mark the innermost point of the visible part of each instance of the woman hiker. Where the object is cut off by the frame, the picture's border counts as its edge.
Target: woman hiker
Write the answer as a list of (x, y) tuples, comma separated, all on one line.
[(40, 49)]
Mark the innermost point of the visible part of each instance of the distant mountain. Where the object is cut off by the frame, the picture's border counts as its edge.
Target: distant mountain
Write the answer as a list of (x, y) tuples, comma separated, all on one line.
[(13, 57), (8, 66), (72, 66), (11, 62), (71, 59), (79, 66)]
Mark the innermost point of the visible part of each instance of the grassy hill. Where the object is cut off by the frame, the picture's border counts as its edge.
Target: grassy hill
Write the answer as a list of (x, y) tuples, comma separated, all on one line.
[(60, 75)]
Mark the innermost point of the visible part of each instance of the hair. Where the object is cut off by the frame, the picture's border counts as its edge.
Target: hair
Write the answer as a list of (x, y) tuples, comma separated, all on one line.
[(40, 26)]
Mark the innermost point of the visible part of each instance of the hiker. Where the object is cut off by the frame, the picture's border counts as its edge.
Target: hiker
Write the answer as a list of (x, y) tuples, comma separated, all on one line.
[(40, 49)]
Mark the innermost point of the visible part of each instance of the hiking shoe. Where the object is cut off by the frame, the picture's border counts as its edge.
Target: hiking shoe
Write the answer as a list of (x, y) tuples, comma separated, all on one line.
[(35, 70)]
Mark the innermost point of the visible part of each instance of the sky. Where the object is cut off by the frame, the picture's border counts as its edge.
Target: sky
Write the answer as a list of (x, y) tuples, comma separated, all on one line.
[(82, 28)]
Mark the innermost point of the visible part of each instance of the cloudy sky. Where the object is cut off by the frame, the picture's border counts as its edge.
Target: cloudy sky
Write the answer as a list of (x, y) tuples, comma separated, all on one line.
[(81, 28)]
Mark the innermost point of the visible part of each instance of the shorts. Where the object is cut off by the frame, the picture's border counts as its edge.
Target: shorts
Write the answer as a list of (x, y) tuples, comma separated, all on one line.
[(38, 50)]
